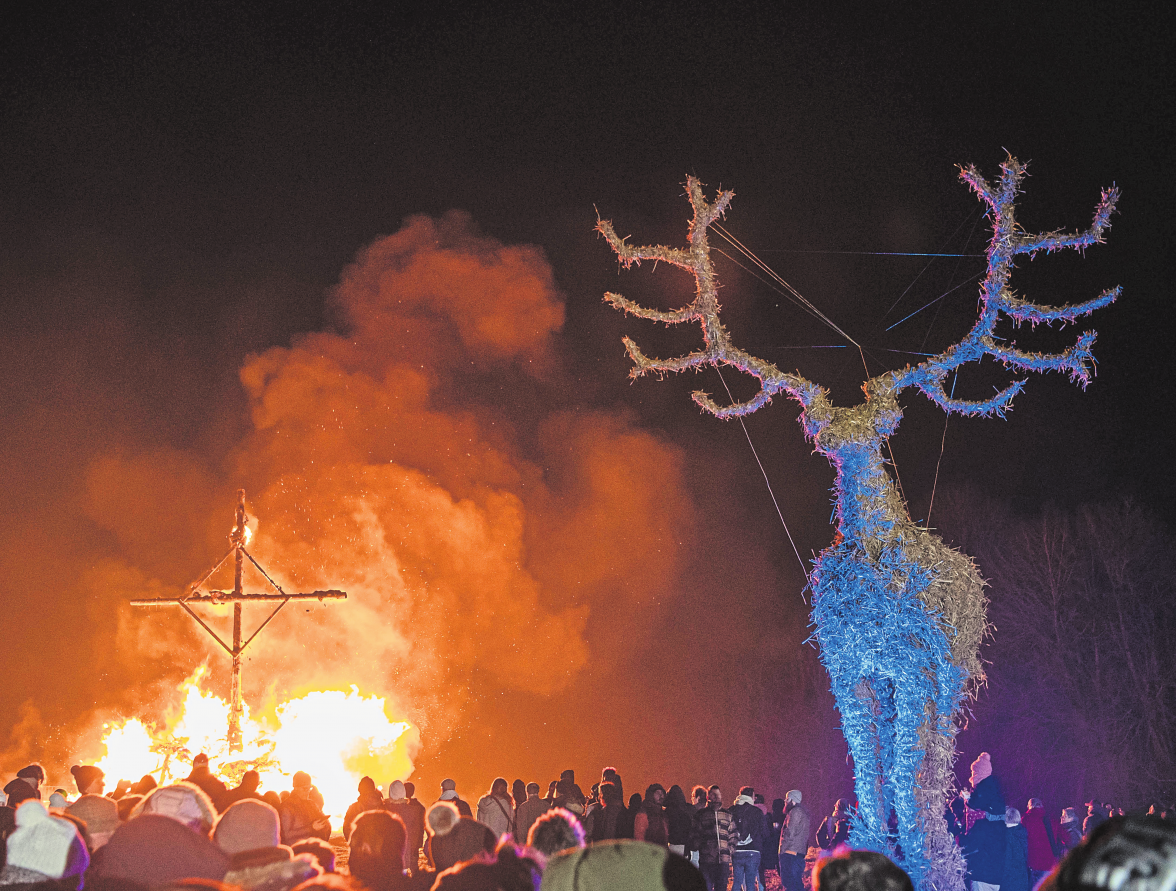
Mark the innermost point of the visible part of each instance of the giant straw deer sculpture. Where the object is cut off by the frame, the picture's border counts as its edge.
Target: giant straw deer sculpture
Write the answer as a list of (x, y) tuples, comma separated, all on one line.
[(899, 615)]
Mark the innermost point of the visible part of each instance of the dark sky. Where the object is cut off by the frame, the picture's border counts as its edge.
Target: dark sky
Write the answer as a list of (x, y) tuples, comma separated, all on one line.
[(184, 188)]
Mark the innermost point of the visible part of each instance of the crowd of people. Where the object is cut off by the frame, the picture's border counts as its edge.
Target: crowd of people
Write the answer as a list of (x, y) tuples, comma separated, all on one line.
[(199, 832)]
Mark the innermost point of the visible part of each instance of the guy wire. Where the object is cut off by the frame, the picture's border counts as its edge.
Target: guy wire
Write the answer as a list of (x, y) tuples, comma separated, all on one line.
[(768, 483)]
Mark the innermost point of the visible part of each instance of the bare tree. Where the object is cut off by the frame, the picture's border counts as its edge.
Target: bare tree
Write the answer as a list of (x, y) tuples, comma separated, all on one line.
[(899, 615), (1081, 696)]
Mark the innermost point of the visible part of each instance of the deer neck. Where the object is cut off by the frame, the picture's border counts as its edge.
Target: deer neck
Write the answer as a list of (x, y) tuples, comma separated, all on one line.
[(870, 511)]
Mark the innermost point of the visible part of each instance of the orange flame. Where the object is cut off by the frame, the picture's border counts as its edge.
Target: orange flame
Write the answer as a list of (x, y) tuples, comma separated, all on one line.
[(335, 736)]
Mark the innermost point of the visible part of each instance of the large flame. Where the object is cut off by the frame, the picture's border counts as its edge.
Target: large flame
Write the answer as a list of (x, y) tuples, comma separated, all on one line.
[(336, 736)]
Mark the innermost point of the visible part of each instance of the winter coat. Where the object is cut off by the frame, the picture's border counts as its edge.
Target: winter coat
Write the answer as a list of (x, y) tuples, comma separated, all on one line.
[(603, 822), (984, 844), (497, 813), (834, 831), (298, 817), (749, 827), (527, 813), (1071, 834), (1016, 866), (713, 835), (1041, 840), (412, 814), (367, 801), (202, 777), (795, 832), (467, 839), (650, 824)]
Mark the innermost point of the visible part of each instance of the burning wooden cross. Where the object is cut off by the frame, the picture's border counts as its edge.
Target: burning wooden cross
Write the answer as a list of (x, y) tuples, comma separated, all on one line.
[(238, 538)]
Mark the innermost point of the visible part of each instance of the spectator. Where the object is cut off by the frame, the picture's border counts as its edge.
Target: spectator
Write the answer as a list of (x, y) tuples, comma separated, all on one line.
[(496, 810), (413, 818), (713, 837), (518, 793), (650, 824), (984, 844), (506, 869), (1071, 834), (1015, 876), (243, 791), (859, 871), (181, 801), (44, 848), (301, 815), (449, 793), (602, 822), (698, 798), (679, 819), (749, 834), (834, 829), (415, 826), (378, 844), (1096, 815), (34, 775), (628, 819), (556, 830), (100, 814), (1043, 845), (794, 836), (568, 795), (90, 780), (454, 838), (250, 833), (153, 849), (529, 811), (322, 852)]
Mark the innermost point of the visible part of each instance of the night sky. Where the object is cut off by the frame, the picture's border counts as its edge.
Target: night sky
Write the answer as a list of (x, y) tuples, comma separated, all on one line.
[(344, 258)]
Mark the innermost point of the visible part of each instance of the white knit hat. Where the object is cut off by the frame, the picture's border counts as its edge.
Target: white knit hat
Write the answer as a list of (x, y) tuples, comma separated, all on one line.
[(46, 844), (181, 801)]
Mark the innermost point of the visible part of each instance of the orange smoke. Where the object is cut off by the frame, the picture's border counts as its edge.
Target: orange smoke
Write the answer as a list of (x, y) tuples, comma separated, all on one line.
[(415, 460)]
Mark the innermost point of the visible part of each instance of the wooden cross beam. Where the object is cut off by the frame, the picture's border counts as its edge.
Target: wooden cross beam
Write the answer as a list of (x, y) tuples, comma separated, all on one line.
[(238, 538)]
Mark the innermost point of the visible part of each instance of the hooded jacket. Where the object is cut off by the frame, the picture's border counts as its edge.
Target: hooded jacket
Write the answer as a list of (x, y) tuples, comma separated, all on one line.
[(984, 844)]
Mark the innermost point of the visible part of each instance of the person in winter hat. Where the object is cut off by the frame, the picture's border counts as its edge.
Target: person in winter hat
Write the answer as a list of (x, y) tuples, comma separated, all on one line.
[(34, 775), (44, 848), (369, 799), (793, 845), (749, 833), (153, 850), (412, 815), (100, 814), (203, 777), (181, 801), (301, 812), (509, 868), (556, 830), (453, 838), (449, 793), (378, 845), (983, 846), (89, 779), (319, 850), (249, 832), (631, 865), (21, 790)]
